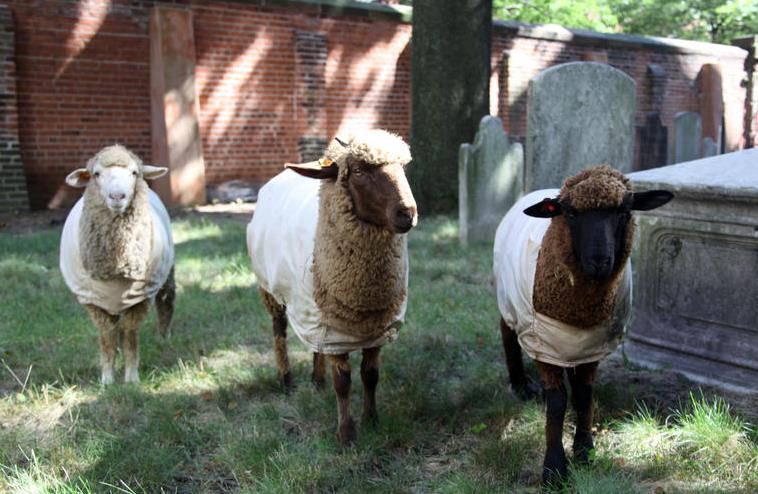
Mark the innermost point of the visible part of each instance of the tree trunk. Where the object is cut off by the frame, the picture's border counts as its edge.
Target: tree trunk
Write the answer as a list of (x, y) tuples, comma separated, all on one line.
[(450, 88)]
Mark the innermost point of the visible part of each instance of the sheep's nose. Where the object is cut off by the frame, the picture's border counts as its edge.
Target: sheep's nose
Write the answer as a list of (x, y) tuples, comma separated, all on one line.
[(117, 196), (404, 219)]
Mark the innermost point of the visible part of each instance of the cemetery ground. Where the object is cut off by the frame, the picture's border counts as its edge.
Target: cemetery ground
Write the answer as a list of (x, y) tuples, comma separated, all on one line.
[(209, 415)]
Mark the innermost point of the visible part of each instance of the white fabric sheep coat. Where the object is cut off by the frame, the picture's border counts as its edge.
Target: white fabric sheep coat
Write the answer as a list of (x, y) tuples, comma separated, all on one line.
[(280, 240), (517, 245), (116, 296)]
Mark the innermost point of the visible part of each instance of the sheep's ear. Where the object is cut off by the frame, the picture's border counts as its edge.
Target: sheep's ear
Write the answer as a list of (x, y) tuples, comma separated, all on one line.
[(78, 178), (315, 169), (546, 208), (645, 201), (152, 172)]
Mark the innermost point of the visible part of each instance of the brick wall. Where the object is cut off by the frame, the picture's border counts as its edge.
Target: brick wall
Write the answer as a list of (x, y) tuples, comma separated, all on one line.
[(277, 78), (12, 182)]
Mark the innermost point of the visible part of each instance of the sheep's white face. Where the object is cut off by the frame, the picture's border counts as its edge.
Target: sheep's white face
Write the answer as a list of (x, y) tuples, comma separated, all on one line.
[(115, 182)]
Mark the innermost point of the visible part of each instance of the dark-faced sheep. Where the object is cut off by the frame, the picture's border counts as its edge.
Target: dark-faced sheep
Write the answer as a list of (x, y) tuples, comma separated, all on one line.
[(117, 253), (328, 249), (564, 292)]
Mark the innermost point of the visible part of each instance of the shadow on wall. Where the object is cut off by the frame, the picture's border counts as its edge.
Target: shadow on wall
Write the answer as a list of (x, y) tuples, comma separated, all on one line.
[(83, 83)]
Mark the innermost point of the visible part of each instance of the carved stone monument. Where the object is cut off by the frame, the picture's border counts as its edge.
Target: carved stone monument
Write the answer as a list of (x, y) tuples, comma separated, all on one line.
[(696, 272), (490, 180), (578, 114)]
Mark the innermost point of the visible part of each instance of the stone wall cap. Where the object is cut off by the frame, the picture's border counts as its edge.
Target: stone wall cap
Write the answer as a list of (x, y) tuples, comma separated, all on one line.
[(555, 32), (730, 176)]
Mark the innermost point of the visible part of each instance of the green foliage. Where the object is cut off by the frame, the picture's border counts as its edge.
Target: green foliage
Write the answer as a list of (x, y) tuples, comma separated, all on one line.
[(706, 20)]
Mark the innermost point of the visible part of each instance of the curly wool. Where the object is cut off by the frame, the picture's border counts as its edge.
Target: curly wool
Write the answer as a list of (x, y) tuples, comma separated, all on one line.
[(115, 155), (116, 246), (561, 289), (358, 268), (376, 147), (596, 187)]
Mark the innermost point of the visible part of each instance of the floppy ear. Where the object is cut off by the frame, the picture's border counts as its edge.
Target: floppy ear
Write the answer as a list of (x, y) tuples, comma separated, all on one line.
[(153, 172), (315, 169), (78, 178), (546, 208), (645, 201)]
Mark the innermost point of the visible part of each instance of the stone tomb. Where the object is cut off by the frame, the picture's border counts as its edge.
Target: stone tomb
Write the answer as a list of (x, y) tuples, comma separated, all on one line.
[(696, 272), (490, 180)]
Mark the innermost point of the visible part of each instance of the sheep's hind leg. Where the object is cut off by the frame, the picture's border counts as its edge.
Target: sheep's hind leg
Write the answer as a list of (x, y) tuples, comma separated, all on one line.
[(370, 378), (279, 321), (555, 467), (164, 304), (581, 379), (107, 327), (319, 370), (514, 360), (130, 323), (346, 433)]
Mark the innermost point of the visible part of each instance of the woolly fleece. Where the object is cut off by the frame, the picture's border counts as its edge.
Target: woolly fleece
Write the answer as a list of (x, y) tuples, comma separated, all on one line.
[(561, 290), (376, 147)]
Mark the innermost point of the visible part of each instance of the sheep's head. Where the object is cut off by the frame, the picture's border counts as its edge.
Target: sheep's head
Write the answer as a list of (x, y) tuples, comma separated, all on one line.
[(114, 171), (371, 166), (596, 204)]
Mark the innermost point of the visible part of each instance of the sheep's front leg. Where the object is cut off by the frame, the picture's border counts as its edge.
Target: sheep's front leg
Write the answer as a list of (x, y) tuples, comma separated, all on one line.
[(130, 323), (515, 363), (319, 370), (581, 379), (370, 378), (554, 467), (107, 327), (341, 378)]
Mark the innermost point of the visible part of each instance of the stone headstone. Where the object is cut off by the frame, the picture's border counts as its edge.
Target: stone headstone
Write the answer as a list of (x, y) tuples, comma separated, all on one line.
[(232, 191), (490, 180), (653, 142), (688, 137), (578, 114), (695, 269)]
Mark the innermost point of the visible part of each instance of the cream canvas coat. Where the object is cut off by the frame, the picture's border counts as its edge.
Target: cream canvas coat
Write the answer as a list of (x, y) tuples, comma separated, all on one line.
[(280, 240), (116, 296), (517, 245)]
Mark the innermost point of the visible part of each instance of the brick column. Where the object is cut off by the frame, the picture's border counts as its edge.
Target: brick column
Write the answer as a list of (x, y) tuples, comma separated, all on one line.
[(175, 108), (13, 193), (310, 93)]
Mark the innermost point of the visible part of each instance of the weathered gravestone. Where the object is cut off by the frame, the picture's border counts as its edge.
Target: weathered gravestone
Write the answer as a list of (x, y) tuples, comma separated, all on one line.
[(578, 114), (490, 179), (696, 272), (688, 137), (653, 142)]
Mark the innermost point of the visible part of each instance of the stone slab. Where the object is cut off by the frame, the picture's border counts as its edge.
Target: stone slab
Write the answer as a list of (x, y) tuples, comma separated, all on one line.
[(175, 107), (696, 272), (688, 137), (578, 114), (490, 180)]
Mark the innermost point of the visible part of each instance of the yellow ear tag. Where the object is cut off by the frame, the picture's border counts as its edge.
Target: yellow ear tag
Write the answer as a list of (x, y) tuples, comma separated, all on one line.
[(325, 162)]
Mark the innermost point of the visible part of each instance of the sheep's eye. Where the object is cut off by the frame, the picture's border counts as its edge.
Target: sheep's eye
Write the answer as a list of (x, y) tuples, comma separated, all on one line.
[(357, 171), (134, 173), (97, 174)]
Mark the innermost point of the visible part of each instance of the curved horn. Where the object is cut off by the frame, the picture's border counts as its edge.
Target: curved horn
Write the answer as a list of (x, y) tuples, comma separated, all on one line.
[(344, 144)]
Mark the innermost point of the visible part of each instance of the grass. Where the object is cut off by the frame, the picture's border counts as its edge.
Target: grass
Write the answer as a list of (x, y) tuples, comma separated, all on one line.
[(209, 415)]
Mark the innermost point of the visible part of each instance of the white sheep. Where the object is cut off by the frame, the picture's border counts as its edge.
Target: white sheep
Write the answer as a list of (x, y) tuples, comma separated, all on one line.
[(330, 256), (117, 253), (564, 292)]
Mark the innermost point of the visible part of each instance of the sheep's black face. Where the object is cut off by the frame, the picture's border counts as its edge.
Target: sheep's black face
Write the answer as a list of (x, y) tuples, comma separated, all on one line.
[(382, 196), (598, 238)]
